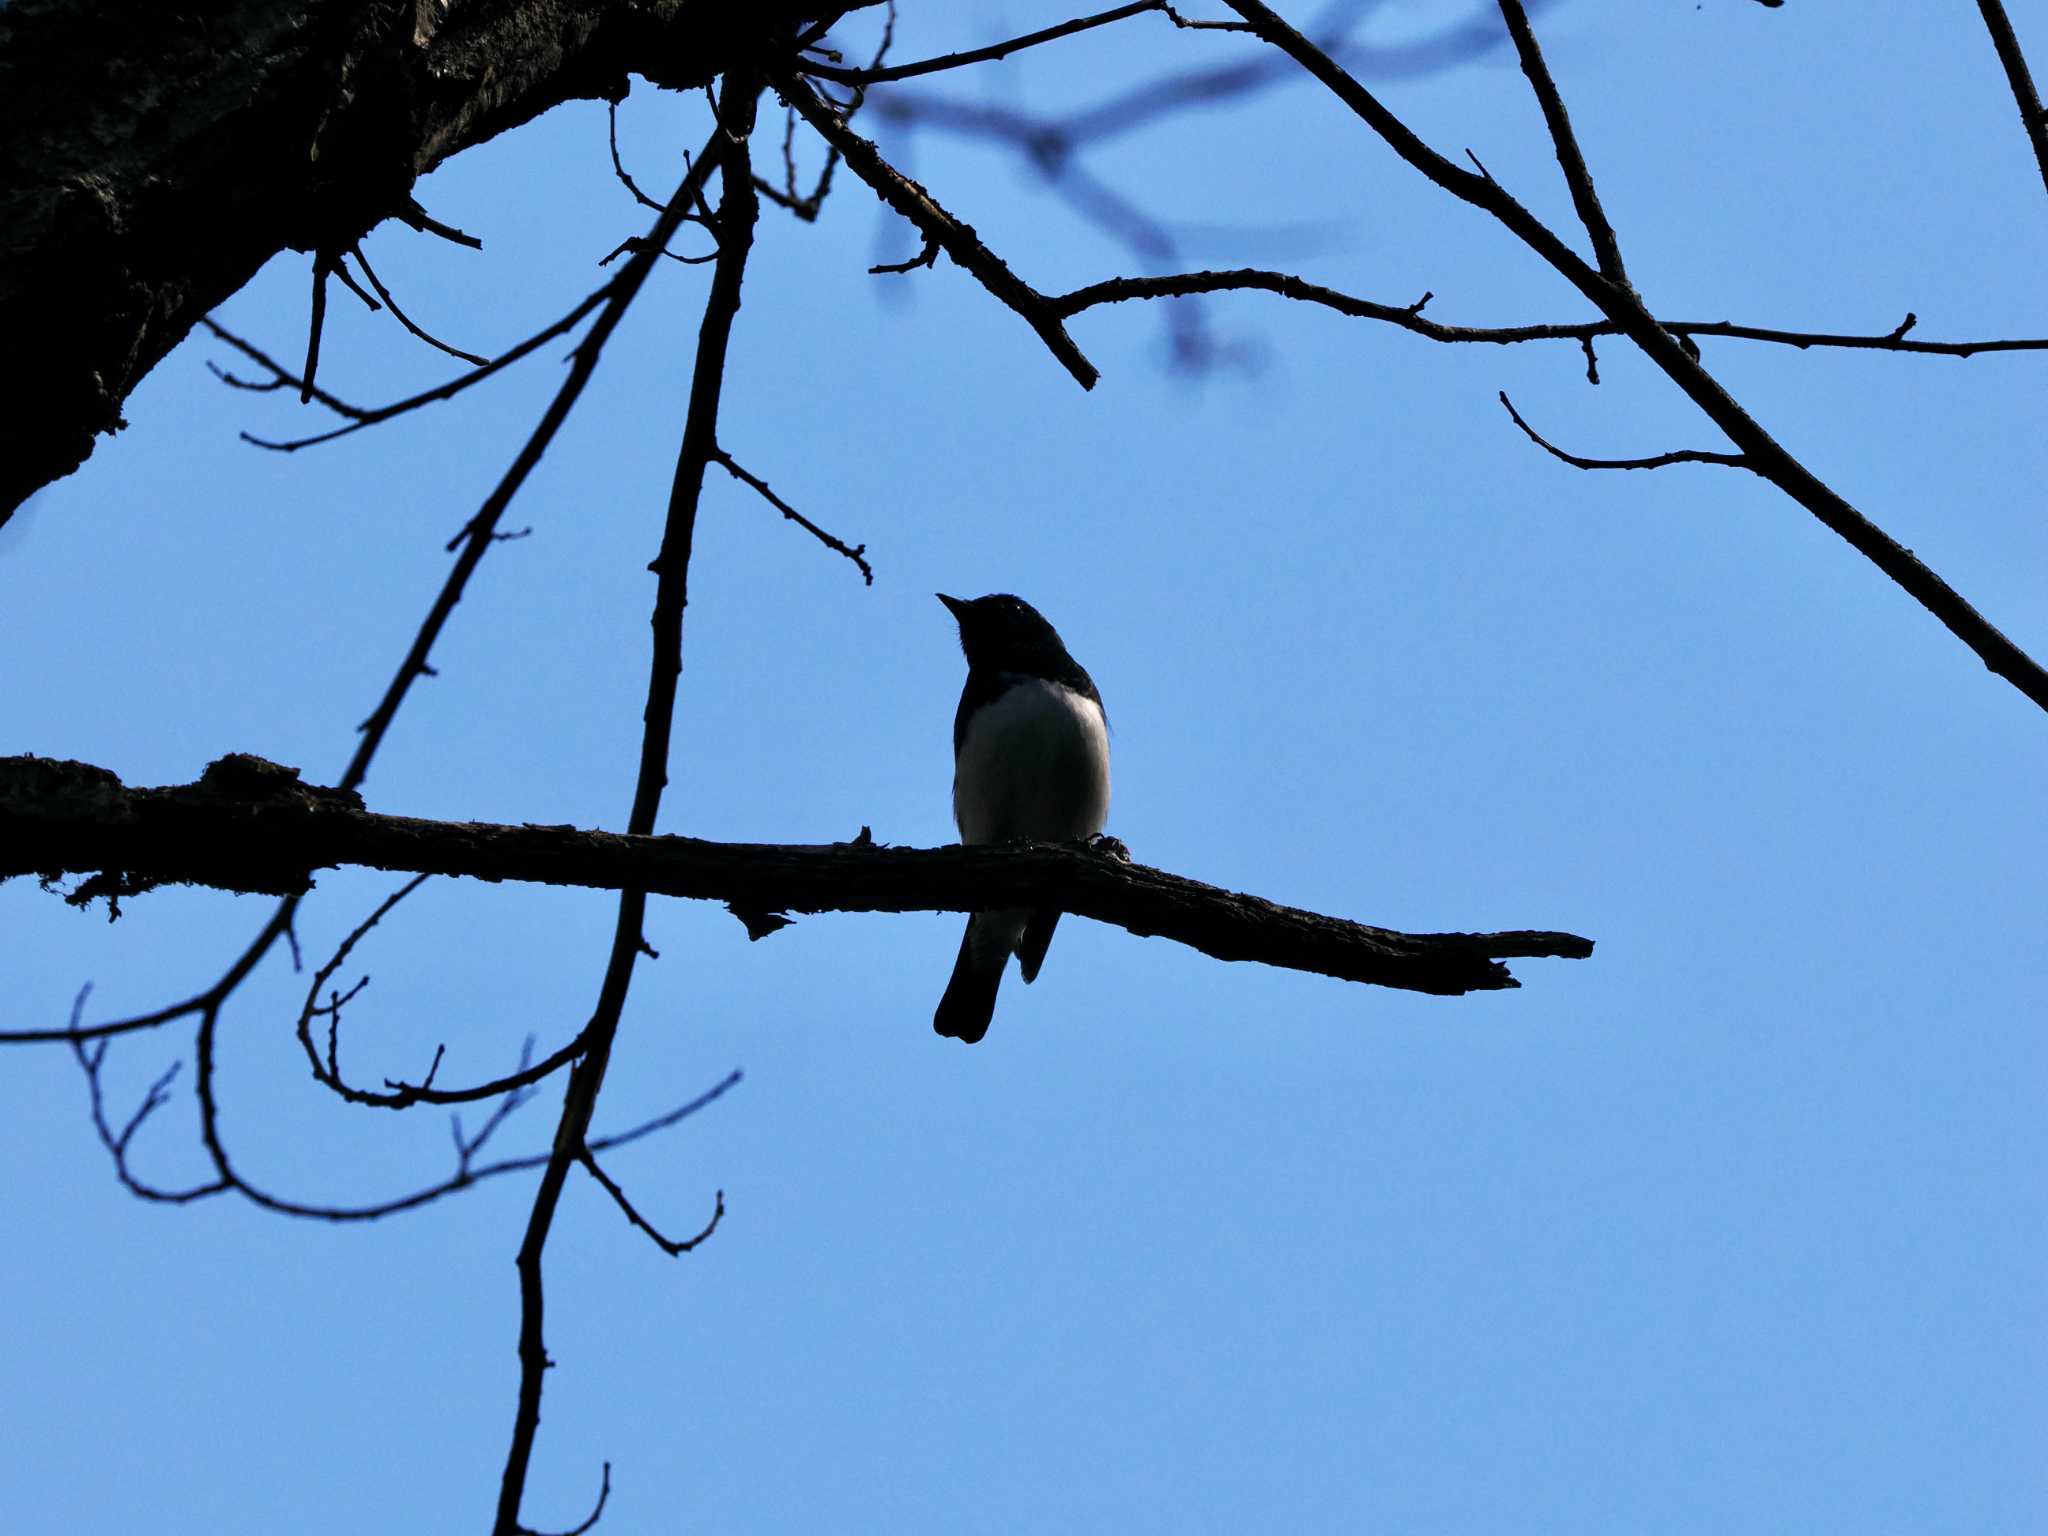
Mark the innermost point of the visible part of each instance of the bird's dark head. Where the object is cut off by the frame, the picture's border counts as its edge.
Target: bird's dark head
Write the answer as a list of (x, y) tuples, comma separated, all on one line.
[(1006, 633)]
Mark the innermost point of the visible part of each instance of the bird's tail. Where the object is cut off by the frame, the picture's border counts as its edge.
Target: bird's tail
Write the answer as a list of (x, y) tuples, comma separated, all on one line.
[(970, 1000)]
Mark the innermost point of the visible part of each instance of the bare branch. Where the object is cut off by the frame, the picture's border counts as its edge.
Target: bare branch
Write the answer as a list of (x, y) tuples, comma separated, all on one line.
[(1409, 317), (361, 418), (322, 264), (1606, 249), (399, 1095), (275, 832), (1004, 49), (857, 553), (1658, 461), (604, 1494), (281, 376), (957, 239), (2032, 116), (1763, 454), (406, 320), (412, 213), (734, 224), (669, 1246), (619, 166), (927, 256)]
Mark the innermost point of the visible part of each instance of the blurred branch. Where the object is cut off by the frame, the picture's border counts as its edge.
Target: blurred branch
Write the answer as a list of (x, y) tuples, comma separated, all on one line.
[(958, 240), (68, 817)]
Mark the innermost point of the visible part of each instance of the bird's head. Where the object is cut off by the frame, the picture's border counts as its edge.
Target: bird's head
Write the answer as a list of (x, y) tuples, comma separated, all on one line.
[(1003, 632)]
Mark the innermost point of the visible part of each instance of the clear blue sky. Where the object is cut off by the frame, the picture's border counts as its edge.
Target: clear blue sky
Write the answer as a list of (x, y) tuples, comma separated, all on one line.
[(1739, 1225)]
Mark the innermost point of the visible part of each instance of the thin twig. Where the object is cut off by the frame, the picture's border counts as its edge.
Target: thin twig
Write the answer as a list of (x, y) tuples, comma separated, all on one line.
[(476, 539), (856, 553), (281, 376), (1409, 317), (412, 213), (604, 1494), (1002, 50), (360, 418), (619, 167), (1656, 461), (349, 280), (406, 320), (667, 1245), (958, 240), (924, 258), (1763, 454)]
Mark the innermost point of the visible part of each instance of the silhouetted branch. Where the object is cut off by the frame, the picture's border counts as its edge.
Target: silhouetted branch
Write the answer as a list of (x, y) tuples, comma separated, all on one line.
[(322, 264), (957, 239), (1409, 317), (857, 553), (738, 212), (1002, 50), (279, 832), (1657, 461), (1606, 249), (361, 418), (2020, 78), (410, 212), (1676, 356), (670, 1246), (403, 318)]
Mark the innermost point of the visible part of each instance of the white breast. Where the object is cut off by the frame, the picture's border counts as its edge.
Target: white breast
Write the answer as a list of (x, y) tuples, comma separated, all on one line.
[(1033, 764)]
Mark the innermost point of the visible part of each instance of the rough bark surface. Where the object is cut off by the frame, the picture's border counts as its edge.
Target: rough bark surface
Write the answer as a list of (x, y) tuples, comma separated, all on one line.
[(154, 156), (250, 825)]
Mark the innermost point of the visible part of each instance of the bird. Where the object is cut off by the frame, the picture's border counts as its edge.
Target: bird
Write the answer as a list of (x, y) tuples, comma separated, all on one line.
[(1030, 761)]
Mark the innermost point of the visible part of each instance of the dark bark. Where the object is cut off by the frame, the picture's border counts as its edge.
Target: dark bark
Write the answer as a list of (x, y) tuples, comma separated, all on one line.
[(248, 825), (153, 157)]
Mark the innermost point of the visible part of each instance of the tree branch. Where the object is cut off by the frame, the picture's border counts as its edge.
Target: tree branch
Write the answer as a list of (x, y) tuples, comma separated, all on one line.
[(1619, 302), (1409, 317), (738, 212), (958, 240), (72, 818), (839, 75), (1656, 461), (1606, 248), (2020, 78)]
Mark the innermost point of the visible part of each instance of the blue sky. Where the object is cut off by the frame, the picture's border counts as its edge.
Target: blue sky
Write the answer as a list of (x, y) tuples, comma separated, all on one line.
[(1738, 1225)]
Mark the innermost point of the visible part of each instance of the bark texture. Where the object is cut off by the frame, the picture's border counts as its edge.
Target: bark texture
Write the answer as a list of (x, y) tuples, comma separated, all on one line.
[(250, 825), (153, 156)]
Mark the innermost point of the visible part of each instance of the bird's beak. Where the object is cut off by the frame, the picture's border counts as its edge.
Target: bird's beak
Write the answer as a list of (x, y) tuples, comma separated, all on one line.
[(955, 604)]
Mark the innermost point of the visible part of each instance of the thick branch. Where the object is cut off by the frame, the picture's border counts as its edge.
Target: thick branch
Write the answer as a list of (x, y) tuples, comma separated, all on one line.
[(69, 818), (262, 127)]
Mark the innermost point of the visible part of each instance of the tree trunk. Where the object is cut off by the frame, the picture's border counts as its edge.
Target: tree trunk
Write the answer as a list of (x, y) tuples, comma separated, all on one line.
[(153, 156)]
